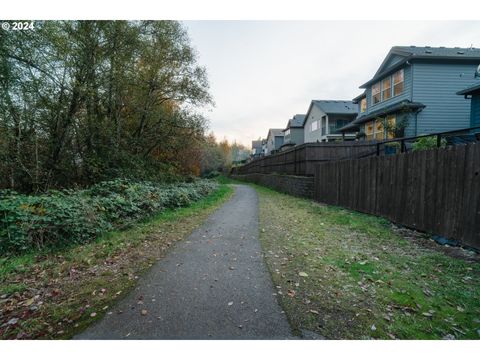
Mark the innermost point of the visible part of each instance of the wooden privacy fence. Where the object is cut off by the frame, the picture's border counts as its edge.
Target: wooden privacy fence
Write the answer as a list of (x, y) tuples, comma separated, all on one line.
[(302, 159), (436, 191)]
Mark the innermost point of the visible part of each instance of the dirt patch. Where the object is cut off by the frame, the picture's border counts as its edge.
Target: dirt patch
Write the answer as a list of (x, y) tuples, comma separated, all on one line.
[(427, 242)]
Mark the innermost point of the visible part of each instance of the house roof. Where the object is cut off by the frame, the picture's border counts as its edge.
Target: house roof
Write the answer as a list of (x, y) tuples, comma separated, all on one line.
[(275, 132), (256, 144), (412, 53), (401, 105), (472, 89), (298, 120), (356, 99), (335, 106)]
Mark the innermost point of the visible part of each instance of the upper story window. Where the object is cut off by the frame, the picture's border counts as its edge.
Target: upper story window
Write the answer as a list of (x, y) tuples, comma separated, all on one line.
[(363, 105), (376, 96), (314, 125), (287, 132), (386, 88), (398, 80), (389, 87)]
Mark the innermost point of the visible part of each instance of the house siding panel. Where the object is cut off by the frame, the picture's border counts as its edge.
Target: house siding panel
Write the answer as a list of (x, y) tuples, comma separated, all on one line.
[(435, 86), (475, 111), (314, 115), (297, 136)]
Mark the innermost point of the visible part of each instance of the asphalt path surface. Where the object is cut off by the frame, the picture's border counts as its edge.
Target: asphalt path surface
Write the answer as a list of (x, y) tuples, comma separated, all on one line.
[(212, 285)]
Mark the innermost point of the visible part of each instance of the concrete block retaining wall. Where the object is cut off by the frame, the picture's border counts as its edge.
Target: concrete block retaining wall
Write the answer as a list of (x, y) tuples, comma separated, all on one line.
[(301, 186)]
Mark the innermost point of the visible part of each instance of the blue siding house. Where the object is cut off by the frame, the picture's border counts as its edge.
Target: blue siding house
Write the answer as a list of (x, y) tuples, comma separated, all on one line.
[(414, 91), (473, 92)]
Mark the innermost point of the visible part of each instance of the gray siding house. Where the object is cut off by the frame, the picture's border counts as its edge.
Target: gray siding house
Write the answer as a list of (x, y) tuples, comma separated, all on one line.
[(257, 150), (274, 140), (293, 133), (414, 91), (325, 117)]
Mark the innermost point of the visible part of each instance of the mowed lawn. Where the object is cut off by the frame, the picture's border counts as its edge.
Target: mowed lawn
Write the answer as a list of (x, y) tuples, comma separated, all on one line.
[(347, 275)]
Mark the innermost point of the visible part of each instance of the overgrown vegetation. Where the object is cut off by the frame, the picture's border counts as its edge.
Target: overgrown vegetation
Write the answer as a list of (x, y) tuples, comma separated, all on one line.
[(88, 101), (429, 142), (60, 218), (55, 294), (346, 275)]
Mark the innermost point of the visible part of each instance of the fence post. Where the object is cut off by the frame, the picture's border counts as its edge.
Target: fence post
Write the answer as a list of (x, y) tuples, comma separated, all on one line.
[(402, 146), (439, 140), (378, 149)]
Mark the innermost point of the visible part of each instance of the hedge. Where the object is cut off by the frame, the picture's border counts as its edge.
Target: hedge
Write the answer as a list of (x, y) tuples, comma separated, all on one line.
[(60, 218)]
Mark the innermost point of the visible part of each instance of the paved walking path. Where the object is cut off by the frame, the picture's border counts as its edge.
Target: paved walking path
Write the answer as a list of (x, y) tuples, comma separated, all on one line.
[(213, 285)]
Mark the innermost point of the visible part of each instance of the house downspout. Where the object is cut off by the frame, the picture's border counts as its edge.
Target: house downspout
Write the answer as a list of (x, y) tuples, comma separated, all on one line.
[(411, 96)]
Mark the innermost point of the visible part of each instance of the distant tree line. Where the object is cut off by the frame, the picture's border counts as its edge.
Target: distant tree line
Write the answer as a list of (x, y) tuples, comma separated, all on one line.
[(85, 101), (220, 156)]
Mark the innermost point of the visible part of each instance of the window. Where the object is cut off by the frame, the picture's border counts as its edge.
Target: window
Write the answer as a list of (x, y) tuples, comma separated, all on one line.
[(386, 88), (287, 132), (324, 125), (369, 130), (314, 125), (382, 90), (337, 125), (391, 121), (398, 80), (363, 105), (379, 130), (376, 96)]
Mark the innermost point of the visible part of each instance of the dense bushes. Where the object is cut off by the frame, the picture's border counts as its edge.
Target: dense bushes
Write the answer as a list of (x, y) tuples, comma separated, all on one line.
[(59, 218), (426, 143)]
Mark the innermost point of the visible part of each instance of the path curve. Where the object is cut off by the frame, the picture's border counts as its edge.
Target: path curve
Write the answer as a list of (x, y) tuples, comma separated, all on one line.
[(213, 285)]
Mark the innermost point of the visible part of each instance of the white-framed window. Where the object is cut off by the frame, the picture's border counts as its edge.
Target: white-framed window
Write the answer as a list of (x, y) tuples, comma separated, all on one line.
[(389, 87), (376, 95), (314, 125), (369, 129), (386, 88), (379, 130), (398, 82), (391, 121), (363, 105)]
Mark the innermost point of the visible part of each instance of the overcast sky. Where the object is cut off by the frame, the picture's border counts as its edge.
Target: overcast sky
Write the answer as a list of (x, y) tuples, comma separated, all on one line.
[(263, 72)]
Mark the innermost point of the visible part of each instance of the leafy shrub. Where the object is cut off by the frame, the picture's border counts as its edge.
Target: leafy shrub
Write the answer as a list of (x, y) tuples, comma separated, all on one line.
[(60, 218), (212, 174), (426, 143)]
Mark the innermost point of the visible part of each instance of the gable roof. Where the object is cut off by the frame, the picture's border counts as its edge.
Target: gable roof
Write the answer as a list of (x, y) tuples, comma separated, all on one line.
[(336, 106), (357, 99), (256, 144), (298, 121), (409, 53), (275, 132)]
